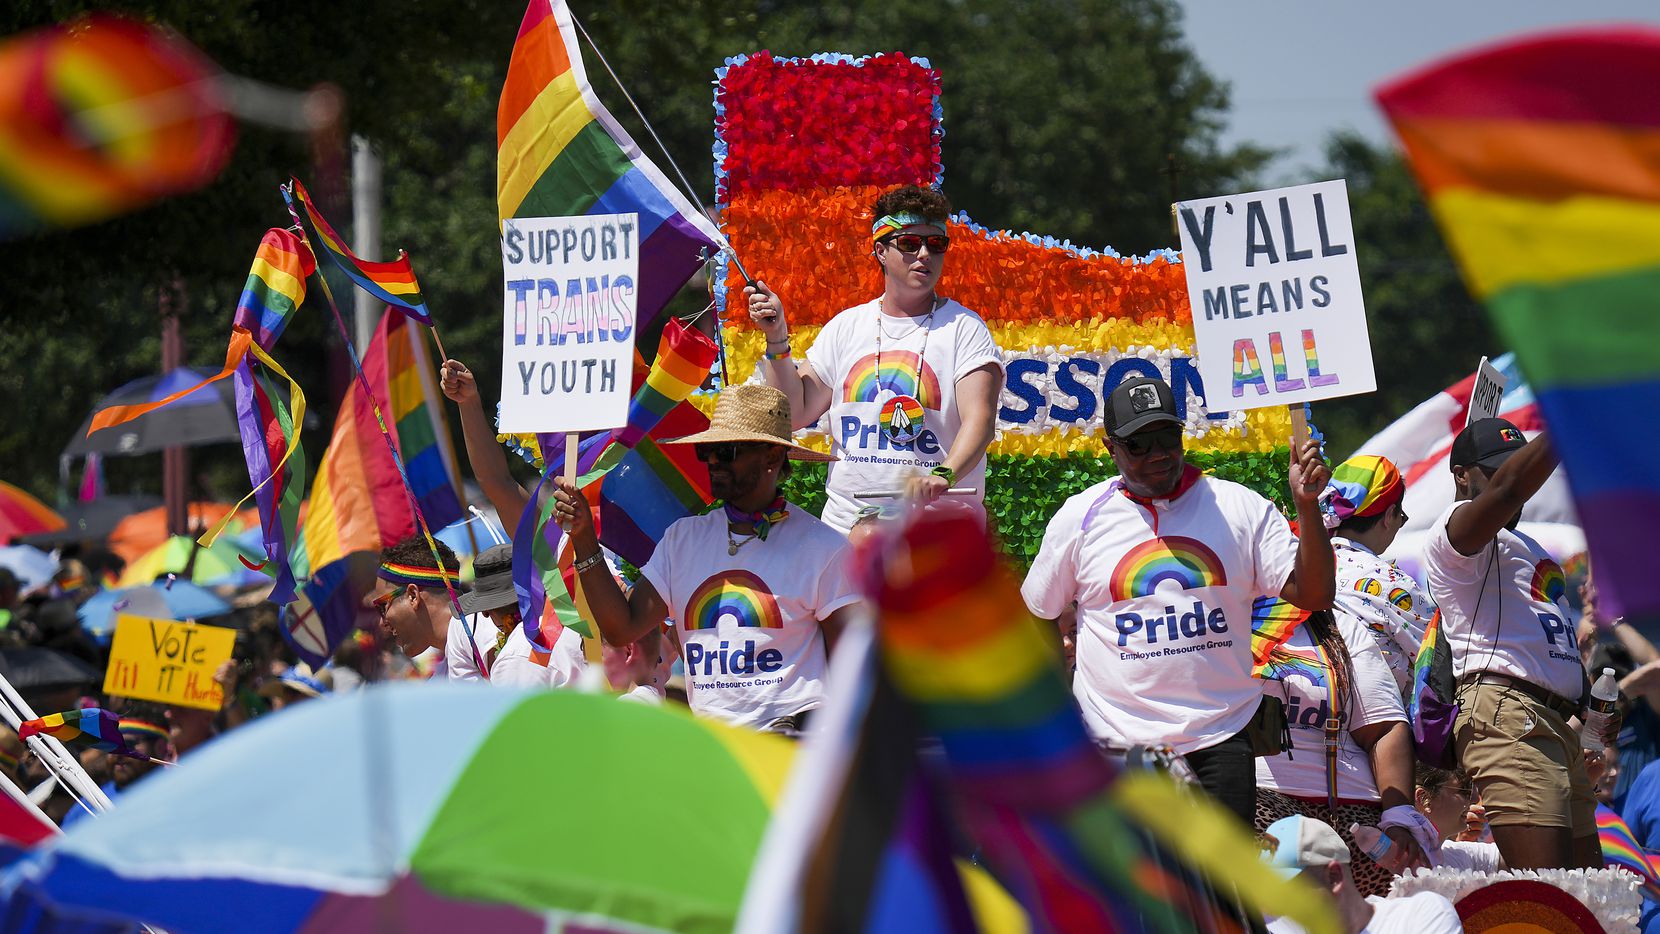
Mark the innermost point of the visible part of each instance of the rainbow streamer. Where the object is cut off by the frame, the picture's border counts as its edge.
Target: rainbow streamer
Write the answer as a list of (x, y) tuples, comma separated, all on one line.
[(1537, 158), (1620, 849), (276, 468), (1070, 838), (1273, 620), (559, 153), (639, 486), (100, 729), (101, 116), (275, 287), (391, 282)]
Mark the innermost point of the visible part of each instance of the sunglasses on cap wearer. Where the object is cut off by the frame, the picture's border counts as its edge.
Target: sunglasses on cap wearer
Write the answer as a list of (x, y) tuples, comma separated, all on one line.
[(1143, 442), (910, 243), (724, 452)]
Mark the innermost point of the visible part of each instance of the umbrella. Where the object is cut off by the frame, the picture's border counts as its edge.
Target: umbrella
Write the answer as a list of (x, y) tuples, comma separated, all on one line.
[(446, 808), (219, 564), (32, 566), (38, 669), (206, 416), (21, 514), (143, 532), (180, 600), (92, 521)]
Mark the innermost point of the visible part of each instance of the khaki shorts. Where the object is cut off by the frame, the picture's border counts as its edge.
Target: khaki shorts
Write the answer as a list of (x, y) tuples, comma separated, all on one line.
[(1527, 764)]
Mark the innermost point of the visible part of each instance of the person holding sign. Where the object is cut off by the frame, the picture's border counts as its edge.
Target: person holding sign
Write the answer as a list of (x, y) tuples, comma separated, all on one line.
[(910, 379), (415, 609), (1164, 564), (1520, 679), (758, 591)]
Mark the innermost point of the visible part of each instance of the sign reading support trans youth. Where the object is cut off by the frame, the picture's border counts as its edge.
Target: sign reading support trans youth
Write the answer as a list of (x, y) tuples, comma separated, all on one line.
[(1278, 316), (568, 321)]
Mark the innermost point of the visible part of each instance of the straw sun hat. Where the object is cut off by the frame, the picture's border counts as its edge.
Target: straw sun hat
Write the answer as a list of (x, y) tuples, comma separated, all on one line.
[(752, 412)]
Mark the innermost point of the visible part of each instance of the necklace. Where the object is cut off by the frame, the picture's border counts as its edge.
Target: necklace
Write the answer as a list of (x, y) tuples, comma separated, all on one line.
[(733, 544), (761, 521), (903, 417)]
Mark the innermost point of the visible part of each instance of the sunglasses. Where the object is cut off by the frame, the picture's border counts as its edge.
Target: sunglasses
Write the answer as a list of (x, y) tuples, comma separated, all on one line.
[(910, 243), (1142, 443), (724, 452), (384, 601)]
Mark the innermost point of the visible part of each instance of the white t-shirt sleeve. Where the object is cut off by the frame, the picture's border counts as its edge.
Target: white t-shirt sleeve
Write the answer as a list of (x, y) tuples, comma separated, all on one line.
[(1423, 913), (975, 347), (1052, 583), (659, 571), (835, 588), (458, 650), (1439, 551), (1276, 551), (566, 661), (1377, 696), (824, 355)]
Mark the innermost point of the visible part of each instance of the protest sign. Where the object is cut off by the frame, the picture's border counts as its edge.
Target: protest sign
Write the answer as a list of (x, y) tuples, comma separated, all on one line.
[(1278, 316), (167, 661), (568, 321), (1487, 393)]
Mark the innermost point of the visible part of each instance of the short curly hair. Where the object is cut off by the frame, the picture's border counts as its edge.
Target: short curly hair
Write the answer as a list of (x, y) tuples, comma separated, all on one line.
[(929, 202), (414, 552)]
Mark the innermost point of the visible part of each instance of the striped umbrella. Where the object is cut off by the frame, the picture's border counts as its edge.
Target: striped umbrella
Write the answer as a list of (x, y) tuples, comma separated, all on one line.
[(422, 807), (22, 514)]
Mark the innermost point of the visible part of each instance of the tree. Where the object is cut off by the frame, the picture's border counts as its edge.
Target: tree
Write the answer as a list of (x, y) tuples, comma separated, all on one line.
[(1427, 332)]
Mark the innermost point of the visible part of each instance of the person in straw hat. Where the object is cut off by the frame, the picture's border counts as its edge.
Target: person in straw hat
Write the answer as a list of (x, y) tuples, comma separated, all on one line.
[(758, 589)]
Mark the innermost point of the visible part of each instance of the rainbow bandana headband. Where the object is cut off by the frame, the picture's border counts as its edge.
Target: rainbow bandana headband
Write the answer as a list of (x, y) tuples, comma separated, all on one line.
[(415, 574), (894, 223), (1361, 486)]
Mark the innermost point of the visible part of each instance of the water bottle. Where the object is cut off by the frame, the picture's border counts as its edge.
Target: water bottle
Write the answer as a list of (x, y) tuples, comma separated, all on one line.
[(1605, 700), (1371, 841)]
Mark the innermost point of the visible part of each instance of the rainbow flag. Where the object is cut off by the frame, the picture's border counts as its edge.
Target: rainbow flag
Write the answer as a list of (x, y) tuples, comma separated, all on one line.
[(639, 486), (1273, 620), (100, 729), (358, 502), (560, 153), (101, 116), (1079, 845), (275, 287), (391, 282), (1620, 849), (276, 468), (1537, 157)]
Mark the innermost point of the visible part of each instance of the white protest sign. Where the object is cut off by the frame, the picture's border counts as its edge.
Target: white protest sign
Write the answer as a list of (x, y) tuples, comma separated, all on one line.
[(1487, 393), (1278, 317), (568, 321)]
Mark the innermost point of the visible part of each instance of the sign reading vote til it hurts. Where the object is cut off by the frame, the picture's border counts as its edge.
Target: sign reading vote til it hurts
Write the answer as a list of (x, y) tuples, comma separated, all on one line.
[(568, 320), (1278, 315), (168, 661)]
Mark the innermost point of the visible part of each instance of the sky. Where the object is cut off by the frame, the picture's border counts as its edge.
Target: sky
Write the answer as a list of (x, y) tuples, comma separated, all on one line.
[(1299, 71)]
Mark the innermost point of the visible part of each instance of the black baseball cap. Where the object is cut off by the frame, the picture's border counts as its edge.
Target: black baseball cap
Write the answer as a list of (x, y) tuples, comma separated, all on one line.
[(1486, 442), (492, 581), (1137, 403)]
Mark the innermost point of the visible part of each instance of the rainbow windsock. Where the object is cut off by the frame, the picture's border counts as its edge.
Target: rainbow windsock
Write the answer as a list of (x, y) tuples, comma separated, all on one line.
[(560, 153), (276, 467), (1620, 849), (100, 729), (392, 282), (101, 116), (1538, 160), (1273, 620), (640, 487)]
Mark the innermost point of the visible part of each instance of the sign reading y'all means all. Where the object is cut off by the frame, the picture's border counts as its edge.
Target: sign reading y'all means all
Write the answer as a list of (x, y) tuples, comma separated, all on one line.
[(168, 661), (1278, 315), (570, 301)]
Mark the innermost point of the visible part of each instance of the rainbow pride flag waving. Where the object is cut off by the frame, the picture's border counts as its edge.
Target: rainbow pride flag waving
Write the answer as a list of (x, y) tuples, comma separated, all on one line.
[(100, 729), (392, 282), (1538, 160)]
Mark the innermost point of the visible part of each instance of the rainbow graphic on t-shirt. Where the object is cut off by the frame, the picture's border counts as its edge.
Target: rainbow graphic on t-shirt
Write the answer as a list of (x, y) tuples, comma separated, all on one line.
[(906, 425), (902, 372), (1189, 563), (1369, 586), (737, 594), (1402, 598), (1549, 583)]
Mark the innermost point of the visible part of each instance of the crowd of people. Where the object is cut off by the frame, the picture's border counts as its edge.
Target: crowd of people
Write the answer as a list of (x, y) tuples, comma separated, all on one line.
[(1149, 581)]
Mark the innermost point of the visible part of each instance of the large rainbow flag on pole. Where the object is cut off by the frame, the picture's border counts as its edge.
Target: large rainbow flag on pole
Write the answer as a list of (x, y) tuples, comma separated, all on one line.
[(560, 153), (1539, 161)]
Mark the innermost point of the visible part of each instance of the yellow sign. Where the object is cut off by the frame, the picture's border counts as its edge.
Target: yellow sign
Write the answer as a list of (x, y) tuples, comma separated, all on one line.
[(168, 661)]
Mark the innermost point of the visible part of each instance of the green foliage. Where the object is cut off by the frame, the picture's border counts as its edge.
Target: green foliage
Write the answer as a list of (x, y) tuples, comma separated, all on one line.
[(1426, 330), (1024, 492)]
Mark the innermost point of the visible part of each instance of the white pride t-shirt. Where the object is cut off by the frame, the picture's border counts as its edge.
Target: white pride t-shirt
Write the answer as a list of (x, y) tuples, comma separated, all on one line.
[(1305, 685), (515, 668), (748, 623), (1386, 601), (460, 662), (1164, 598), (921, 358), (1505, 609)]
